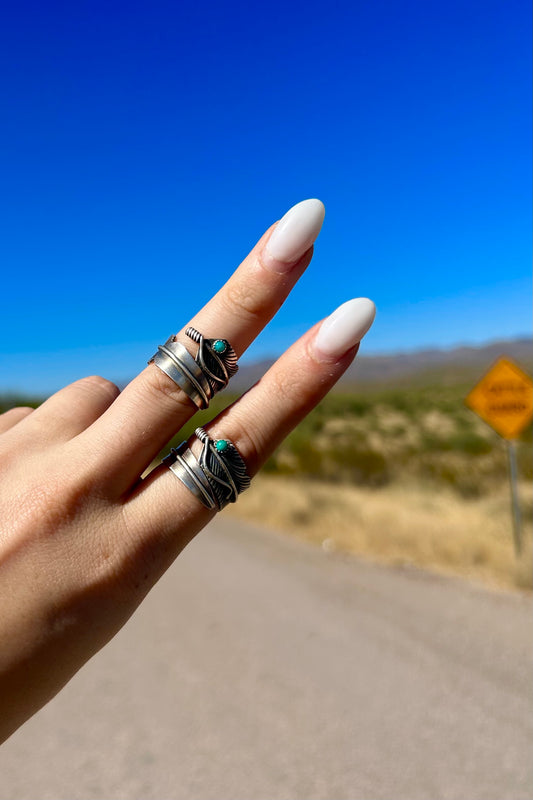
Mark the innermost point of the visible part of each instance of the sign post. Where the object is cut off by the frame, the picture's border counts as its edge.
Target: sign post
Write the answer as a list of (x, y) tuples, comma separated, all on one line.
[(504, 399), (515, 503)]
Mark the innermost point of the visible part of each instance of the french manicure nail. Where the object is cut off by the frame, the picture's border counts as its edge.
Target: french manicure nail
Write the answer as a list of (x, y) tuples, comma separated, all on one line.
[(294, 234), (345, 327)]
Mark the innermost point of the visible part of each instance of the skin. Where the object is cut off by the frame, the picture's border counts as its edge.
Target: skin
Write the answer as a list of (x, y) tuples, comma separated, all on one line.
[(82, 537)]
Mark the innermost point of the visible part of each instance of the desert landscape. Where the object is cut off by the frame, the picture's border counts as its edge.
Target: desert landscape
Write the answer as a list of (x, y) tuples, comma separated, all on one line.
[(394, 467)]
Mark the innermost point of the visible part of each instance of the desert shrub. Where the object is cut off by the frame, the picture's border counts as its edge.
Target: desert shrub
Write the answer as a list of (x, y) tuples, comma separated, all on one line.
[(402, 401), (471, 443), (343, 405), (430, 442), (453, 476), (358, 465), (304, 456)]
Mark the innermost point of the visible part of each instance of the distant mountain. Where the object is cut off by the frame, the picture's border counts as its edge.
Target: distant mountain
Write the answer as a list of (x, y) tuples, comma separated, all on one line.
[(446, 366)]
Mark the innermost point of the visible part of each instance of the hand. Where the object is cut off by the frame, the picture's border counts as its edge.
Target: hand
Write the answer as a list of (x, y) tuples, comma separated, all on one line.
[(83, 537)]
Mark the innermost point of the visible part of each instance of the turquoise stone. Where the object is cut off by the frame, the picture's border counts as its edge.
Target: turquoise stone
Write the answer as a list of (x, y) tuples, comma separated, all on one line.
[(219, 346), (221, 445)]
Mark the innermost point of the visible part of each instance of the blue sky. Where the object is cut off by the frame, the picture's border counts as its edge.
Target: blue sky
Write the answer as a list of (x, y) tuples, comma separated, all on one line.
[(144, 147)]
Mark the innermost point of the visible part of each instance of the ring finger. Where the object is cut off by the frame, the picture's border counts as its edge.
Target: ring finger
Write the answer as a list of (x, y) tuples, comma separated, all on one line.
[(152, 407)]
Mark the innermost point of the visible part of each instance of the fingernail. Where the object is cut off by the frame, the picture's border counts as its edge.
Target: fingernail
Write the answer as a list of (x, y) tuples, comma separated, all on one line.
[(294, 234), (345, 327)]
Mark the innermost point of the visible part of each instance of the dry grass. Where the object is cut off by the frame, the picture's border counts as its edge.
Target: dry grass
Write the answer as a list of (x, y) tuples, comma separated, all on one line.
[(399, 524)]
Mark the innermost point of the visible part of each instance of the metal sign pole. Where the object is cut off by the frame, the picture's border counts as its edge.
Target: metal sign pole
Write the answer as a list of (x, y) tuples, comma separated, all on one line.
[(515, 504), (504, 399)]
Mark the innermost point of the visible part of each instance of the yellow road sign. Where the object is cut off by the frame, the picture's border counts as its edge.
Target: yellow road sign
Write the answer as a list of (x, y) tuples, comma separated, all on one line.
[(504, 398)]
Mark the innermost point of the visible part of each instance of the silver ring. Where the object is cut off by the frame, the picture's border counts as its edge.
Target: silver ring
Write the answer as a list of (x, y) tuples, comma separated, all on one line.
[(175, 361), (216, 477), (185, 466), (216, 358), (204, 375), (224, 467)]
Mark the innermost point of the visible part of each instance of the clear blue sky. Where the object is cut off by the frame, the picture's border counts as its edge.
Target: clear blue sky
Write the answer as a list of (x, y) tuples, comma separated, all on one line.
[(145, 146)]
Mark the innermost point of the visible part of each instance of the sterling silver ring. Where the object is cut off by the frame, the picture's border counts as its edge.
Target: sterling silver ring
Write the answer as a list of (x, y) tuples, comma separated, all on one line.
[(216, 477), (224, 466), (175, 361), (185, 466), (215, 357), (204, 375)]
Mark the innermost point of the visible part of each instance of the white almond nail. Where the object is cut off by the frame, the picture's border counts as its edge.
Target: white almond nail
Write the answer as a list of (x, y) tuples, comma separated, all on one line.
[(345, 327), (295, 233)]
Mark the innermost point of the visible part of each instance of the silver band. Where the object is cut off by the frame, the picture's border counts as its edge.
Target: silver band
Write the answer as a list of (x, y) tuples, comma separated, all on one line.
[(175, 361), (216, 358), (200, 377), (224, 467), (216, 477), (185, 466)]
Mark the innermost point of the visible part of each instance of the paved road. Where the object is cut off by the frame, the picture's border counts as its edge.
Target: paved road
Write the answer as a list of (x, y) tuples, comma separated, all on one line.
[(263, 668)]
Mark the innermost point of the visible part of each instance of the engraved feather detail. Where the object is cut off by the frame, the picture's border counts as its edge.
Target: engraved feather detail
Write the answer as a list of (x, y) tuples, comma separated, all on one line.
[(216, 357), (224, 468), (237, 467)]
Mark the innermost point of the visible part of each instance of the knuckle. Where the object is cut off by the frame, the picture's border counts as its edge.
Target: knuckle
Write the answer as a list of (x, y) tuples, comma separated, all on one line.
[(49, 505), (290, 389), (281, 390), (244, 300), (158, 385), (18, 412), (62, 500), (252, 449), (97, 385)]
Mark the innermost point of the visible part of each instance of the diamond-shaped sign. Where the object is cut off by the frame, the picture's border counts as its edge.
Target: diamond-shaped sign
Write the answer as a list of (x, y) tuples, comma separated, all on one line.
[(504, 398)]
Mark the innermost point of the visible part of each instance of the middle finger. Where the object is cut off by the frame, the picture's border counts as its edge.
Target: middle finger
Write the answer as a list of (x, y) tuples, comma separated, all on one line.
[(152, 407)]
